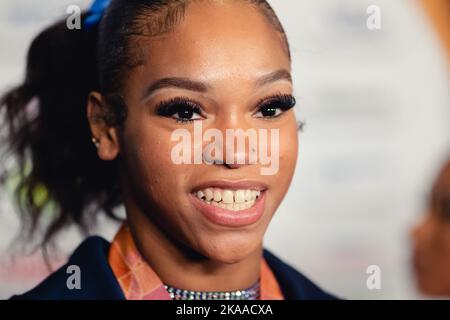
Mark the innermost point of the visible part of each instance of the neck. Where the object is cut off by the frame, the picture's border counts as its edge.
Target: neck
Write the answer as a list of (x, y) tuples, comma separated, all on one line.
[(178, 267)]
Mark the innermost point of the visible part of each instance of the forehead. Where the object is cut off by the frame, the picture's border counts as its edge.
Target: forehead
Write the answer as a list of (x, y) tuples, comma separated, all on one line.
[(216, 41)]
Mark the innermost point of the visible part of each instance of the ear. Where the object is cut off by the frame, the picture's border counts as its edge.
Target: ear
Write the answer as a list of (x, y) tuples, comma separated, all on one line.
[(106, 137)]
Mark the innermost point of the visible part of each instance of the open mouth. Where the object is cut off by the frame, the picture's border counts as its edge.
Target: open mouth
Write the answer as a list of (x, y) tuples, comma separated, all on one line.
[(233, 200), (230, 204)]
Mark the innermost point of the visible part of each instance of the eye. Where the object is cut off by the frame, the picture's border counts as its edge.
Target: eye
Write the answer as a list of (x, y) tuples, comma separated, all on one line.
[(269, 112), (181, 109), (185, 112), (274, 106)]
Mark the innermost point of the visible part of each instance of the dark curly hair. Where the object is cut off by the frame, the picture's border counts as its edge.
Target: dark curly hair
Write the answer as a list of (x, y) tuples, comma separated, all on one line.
[(45, 122)]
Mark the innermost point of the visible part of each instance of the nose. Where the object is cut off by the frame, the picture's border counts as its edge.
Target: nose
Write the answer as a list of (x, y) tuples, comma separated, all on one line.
[(239, 145), (239, 158)]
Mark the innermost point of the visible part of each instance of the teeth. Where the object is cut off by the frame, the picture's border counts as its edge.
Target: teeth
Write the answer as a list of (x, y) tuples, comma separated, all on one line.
[(200, 194), (208, 194), (228, 199), (255, 194), (248, 195), (217, 195), (227, 196), (233, 206), (215, 204), (239, 196)]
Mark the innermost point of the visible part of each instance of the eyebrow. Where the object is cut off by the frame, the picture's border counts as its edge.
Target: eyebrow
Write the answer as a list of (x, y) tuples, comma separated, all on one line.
[(282, 74), (198, 86), (176, 82)]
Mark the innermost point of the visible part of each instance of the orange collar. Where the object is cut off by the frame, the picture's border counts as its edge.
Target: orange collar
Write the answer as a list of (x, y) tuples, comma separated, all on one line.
[(139, 282)]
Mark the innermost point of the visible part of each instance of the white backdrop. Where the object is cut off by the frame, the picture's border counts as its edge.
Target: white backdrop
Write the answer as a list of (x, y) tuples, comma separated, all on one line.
[(377, 107)]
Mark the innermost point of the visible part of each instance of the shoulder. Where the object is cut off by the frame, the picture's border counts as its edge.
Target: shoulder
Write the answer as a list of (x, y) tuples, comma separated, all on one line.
[(97, 280), (295, 286)]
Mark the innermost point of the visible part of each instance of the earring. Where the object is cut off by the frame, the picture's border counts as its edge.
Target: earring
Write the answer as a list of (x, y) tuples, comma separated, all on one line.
[(95, 142)]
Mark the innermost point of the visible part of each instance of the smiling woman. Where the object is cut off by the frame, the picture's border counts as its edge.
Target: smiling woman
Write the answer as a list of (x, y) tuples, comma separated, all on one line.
[(141, 71)]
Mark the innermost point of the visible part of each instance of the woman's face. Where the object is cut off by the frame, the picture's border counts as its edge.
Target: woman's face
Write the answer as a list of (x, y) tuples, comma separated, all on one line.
[(222, 61), (432, 241)]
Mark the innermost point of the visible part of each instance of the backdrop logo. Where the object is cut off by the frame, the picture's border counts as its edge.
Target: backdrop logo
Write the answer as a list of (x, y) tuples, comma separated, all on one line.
[(262, 147)]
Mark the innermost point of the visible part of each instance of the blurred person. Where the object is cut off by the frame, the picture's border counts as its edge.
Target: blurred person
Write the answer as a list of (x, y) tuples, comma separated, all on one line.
[(431, 237), (439, 13), (432, 240)]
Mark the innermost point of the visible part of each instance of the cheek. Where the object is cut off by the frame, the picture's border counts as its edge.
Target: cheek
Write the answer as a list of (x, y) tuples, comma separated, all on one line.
[(148, 156), (288, 147)]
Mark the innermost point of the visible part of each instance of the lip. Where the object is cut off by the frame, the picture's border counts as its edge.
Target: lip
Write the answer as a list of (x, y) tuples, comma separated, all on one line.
[(229, 218)]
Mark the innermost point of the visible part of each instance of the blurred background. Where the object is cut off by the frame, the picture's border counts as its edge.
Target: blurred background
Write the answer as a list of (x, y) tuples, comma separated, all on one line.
[(377, 108)]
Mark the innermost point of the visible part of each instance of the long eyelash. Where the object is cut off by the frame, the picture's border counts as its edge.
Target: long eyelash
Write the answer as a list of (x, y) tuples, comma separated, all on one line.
[(183, 121), (169, 108), (282, 101)]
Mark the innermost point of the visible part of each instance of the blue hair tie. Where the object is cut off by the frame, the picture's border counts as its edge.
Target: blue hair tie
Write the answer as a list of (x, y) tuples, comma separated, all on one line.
[(96, 12)]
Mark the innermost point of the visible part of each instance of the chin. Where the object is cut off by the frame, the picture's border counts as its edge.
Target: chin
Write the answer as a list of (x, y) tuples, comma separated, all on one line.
[(230, 251)]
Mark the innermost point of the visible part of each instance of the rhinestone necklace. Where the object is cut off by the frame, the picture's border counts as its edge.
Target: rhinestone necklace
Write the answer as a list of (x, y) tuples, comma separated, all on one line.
[(251, 293)]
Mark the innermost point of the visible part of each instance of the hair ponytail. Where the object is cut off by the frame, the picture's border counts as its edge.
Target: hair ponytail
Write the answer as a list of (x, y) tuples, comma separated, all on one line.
[(46, 128)]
